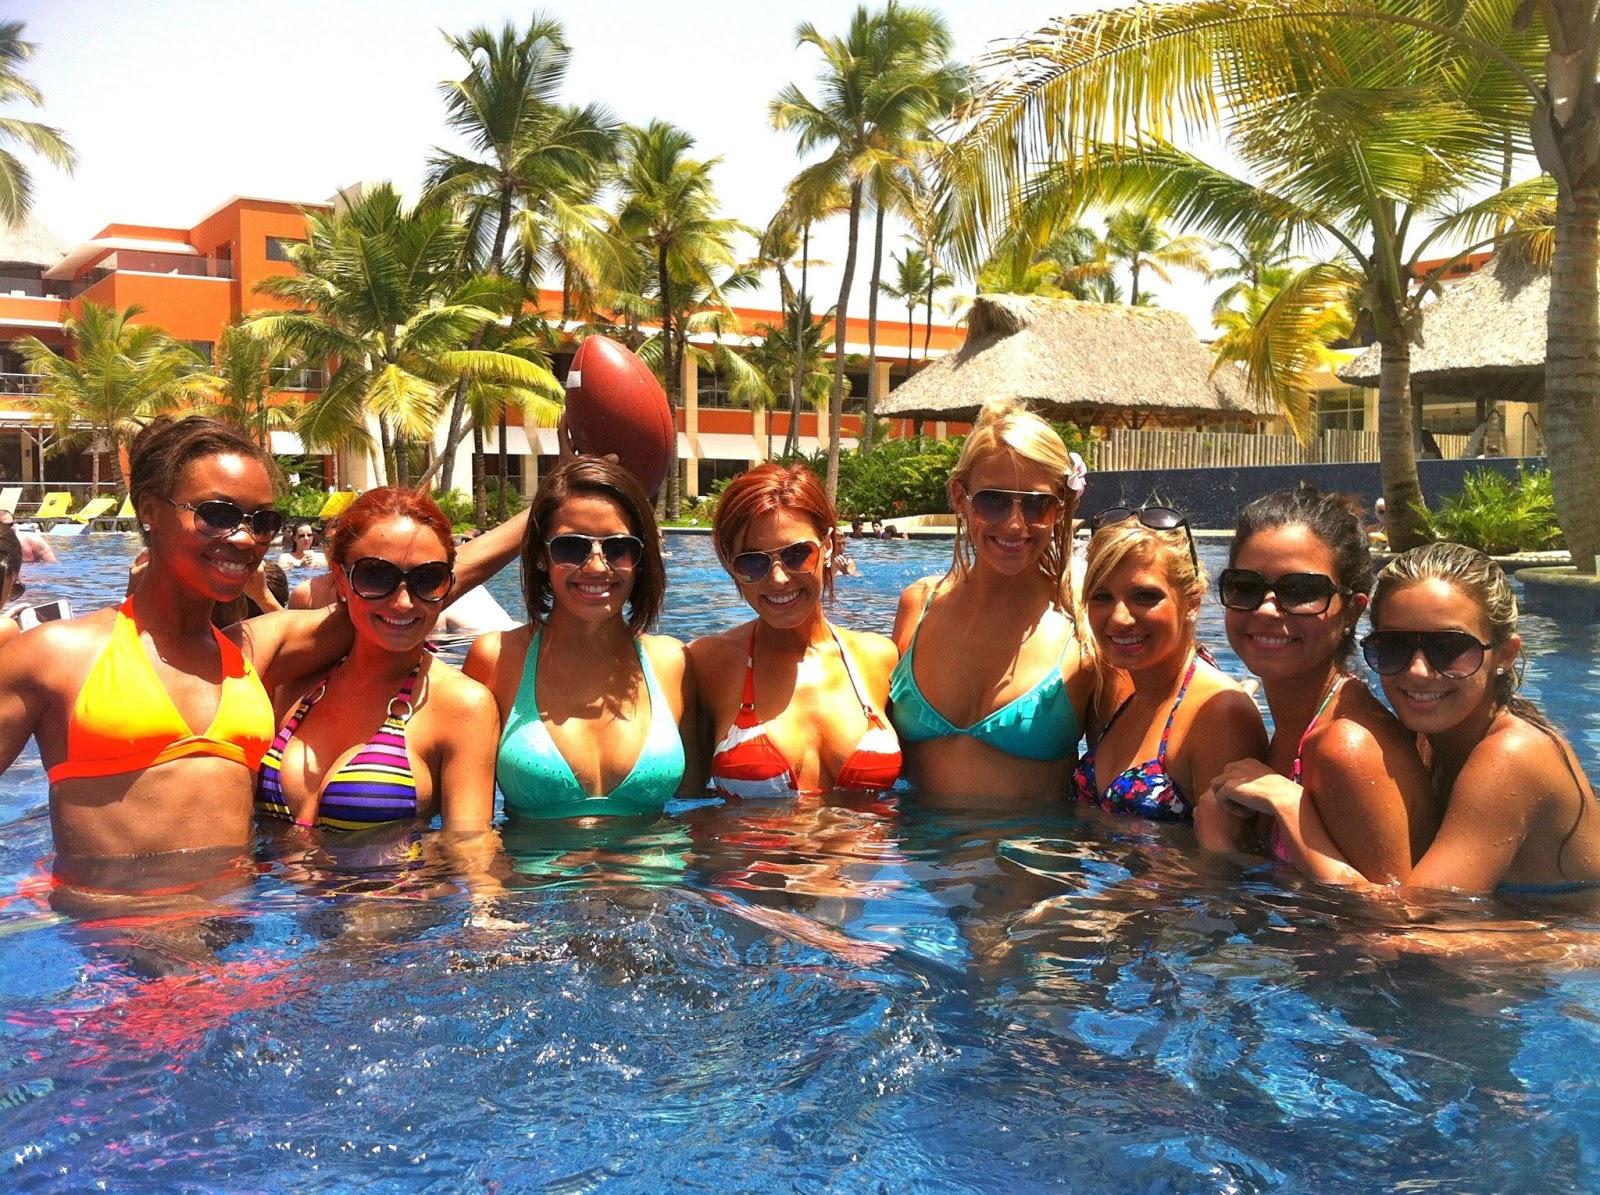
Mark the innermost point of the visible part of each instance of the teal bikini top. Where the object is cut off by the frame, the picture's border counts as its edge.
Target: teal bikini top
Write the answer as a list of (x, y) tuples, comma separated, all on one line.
[(1040, 724), (538, 782)]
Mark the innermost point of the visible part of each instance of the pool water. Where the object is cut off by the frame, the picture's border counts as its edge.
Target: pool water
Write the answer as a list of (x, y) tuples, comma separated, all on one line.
[(854, 994)]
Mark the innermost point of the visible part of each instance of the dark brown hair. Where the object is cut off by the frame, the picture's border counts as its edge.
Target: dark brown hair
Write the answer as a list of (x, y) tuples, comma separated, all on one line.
[(161, 451), (584, 477), (771, 487)]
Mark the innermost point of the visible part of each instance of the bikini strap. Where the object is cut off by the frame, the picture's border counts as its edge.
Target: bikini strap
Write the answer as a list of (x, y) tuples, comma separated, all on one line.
[(855, 681), (1299, 748), (916, 632), (1110, 722), (1161, 751), (303, 706), (748, 701), (403, 698)]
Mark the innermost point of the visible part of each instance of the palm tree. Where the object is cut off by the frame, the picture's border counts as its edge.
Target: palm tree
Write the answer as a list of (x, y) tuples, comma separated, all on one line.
[(1137, 240), (1260, 259), (16, 184), (378, 292), (911, 279), (668, 207), (791, 355), (240, 385), (118, 376), (875, 87), (527, 190), (1355, 142)]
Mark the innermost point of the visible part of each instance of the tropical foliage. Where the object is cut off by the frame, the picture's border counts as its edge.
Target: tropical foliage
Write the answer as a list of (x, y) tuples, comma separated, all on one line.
[(16, 183), (1498, 514)]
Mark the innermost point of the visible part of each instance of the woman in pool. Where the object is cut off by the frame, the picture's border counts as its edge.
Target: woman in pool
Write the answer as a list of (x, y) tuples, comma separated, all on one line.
[(793, 703), (301, 551), (390, 734), (1517, 818), (1297, 582), (592, 707), (990, 692), (1183, 718), (113, 698)]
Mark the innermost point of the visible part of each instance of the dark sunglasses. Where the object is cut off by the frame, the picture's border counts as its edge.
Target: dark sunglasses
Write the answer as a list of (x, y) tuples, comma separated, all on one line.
[(995, 506), (1454, 654), (1295, 593), (753, 567), (1157, 518), (574, 551), (373, 577), (217, 517)]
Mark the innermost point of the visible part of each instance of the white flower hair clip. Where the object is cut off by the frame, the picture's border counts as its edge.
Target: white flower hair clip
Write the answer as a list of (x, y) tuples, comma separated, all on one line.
[(1077, 473)]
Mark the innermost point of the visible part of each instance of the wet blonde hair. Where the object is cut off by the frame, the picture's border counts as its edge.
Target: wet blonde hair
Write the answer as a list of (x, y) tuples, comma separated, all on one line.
[(1113, 546), (1006, 425)]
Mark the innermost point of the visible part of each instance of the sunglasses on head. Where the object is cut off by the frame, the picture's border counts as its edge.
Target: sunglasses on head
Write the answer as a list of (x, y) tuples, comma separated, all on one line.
[(217, 517), (1295, 593), (754, 567), (1454, 654), (995, 506), (1157, 518), (373, 577), (573, 550)]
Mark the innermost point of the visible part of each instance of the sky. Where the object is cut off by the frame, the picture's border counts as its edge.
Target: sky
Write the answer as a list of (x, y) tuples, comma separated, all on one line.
[(173, 106)]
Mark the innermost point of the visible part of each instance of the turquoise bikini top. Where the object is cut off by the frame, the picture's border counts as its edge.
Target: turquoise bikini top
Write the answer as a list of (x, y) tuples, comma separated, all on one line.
[(1040, 724), (538, 782)]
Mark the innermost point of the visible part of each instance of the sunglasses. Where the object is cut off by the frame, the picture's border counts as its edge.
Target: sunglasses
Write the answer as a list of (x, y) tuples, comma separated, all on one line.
[(1295, 593), (373, 577), (574, 551), (217, 517), (1454, 654), (1157, 518), (996, 506), (753, 567)]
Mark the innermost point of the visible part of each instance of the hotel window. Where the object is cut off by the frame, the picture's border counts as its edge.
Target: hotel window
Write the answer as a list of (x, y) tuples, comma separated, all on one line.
[(278, 248)]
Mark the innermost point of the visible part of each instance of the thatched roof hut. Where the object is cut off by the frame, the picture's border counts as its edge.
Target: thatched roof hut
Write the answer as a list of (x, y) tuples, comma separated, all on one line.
[(30, 243), (1092, 363), (1482, 337)]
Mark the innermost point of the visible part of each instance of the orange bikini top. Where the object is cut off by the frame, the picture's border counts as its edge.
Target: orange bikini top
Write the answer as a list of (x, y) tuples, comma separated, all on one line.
[(124, 720)]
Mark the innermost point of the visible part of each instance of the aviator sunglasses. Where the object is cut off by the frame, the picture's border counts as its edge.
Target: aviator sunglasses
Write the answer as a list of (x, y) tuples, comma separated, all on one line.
[(217, 517), (1295, 593), (574, 550), (373, 577), (754, 567), (995, 506), (1157, 518), (1453, 654)]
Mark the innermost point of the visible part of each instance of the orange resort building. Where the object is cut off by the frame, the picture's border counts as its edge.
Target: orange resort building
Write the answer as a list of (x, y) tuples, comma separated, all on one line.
[(193, 281)]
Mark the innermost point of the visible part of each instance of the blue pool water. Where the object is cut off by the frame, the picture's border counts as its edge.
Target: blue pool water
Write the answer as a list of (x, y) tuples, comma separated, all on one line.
[(848, 995)]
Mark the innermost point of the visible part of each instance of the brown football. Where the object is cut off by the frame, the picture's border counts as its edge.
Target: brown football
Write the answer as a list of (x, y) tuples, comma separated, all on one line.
[(615, 405)]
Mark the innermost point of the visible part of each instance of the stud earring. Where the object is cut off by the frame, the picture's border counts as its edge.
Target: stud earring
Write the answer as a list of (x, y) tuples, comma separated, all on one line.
[(144, 526), (1499, 671)]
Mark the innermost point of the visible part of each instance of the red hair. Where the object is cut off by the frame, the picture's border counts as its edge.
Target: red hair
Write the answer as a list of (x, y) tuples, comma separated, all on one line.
[(771, 487), (387, 502)]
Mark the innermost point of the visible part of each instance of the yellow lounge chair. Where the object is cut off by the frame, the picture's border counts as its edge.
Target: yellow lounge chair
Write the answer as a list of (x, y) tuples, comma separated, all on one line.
[(93, 509), (338, 502), (56, 505), (125, 518)]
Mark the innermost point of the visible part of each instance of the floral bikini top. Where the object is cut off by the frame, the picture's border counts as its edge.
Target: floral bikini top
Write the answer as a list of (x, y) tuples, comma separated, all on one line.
[(1146, 789)]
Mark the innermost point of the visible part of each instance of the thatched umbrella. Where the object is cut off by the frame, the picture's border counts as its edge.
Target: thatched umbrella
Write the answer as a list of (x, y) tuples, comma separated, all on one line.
[(1481, 338), (29, 243), (1092, 363)]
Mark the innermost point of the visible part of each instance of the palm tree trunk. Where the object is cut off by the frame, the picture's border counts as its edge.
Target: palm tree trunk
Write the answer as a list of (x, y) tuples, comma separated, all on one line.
[(387, 441), (927, 326), (872, 327), (840, 323), (911, 321), (480, 498), (791, 441), (500, 498), (1133, 287), (674, 381), (1572, 376), (1402, 492)]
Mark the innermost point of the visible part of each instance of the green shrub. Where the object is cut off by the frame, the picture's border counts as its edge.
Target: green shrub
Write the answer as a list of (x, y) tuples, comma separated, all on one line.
[(1499, 515), (457, 507)]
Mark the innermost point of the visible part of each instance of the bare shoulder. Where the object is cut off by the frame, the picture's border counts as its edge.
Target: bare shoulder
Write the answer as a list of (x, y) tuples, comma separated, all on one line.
[(912, 603), (1516, 762), (875, 650), (53, 652), (459, 696), (489, 651), (711, 653), (668, 657)]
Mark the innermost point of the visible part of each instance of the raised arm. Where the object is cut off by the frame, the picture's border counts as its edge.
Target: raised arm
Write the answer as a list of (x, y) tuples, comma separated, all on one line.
[(479, 559), (288, 644)]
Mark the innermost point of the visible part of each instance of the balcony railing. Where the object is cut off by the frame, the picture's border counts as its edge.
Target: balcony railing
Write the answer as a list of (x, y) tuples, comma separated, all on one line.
[(19, 383), (293, 377), (178, 265), (32, 288)]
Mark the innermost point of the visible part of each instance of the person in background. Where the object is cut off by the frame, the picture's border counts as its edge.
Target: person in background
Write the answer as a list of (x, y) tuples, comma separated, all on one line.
[(792, 702), (1517, 809), (1298, 578), (11, 586), (300, 550), (36, 548), (991, 691), (1163, 744)]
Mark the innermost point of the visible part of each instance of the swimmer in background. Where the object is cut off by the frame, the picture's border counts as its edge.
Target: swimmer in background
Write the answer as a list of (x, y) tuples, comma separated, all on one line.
[(1298, 578), (1518, 816), (301, 551), (11, 586), (991, 691)]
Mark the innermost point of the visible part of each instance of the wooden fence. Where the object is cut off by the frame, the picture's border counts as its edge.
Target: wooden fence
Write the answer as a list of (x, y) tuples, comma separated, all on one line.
[(1166, 449)]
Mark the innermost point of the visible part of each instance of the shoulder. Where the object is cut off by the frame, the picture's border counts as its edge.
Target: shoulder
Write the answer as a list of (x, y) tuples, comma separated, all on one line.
[(1222, 705), (286, 561), (1515, 763), (58, 648), (668, 656), (458, 695), (872, 649), (487, 651), (912, 603), (713, 651), (1365, 744)]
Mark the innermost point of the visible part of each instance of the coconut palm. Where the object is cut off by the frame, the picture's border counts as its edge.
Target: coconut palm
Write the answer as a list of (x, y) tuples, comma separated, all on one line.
[(1137, 240), (792, 356), (669, 208), (1260, 259), (912, 277), (239, 387), (874, 89), (16, 184), (117, 377), (378, 292), (1351, 142), (527, 189)]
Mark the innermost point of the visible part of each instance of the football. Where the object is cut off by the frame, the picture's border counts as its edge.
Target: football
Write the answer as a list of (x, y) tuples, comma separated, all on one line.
[(615, 405)]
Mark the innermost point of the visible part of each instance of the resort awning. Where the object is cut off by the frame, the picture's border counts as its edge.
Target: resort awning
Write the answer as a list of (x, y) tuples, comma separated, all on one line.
[(720, 446), (287, 444), (516, 441), (1089, 362)]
